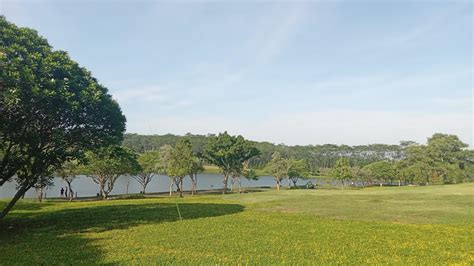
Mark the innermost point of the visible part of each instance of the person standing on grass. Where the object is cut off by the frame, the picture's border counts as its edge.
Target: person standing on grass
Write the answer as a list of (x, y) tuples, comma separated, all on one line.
[(65, 193), (62, 192)]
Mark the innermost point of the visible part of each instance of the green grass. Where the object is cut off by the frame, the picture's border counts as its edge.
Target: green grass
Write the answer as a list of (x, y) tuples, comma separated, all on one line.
[(414, 225), (211, 169)]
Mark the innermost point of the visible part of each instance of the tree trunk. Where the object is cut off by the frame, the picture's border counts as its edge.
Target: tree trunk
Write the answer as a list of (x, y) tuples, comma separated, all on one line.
[(232, 181), (176, 182), (144, 187), (101, 182), (180, 187), (240, 185), (15, 198), (278, 184), (39, 194), (295, 181), (71, 193), (226, 177), (193, 184), (399, 183), (171, 186), (103, 193)]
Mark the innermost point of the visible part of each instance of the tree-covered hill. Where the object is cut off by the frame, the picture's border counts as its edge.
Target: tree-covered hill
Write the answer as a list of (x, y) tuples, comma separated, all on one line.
[(318, 156)]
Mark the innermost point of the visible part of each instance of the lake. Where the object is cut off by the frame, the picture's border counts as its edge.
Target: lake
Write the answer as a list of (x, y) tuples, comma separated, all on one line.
[(85, 187)]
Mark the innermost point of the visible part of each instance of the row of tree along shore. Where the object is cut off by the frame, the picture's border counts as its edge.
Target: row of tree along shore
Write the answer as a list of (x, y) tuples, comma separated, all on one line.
[(369, 164), (57, 119), (442, 160)]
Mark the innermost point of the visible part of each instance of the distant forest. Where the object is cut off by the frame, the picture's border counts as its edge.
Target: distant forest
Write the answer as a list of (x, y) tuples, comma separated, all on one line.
[(319, 157)]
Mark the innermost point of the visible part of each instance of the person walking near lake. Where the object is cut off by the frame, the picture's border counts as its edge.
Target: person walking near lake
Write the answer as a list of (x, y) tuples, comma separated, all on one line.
[(62, 191), (65, 193)]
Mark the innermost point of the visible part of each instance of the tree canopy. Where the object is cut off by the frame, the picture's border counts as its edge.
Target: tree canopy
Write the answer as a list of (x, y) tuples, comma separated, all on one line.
[(342, 170), (297, 169), (107, 164), (381, 171), (278, 168), (150, 165), (181, 163), (197, 167), (444, 159), (51, 109), (229, 153)]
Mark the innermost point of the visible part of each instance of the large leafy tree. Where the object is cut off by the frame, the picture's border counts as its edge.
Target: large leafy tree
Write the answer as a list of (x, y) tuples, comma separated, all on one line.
[(447, 157), (419, 172), (107, 164), (297, 169), (150, 165), (400, 171), (248, 172), (166, 153), (181, 163), (197, 167), (446, 148), (278, 167), (444, 159), (342, 170), (381, 171), (51, 109), (229, 153)]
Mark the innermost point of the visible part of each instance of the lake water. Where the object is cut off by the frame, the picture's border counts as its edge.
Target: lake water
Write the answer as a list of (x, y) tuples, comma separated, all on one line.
[(85, 187)]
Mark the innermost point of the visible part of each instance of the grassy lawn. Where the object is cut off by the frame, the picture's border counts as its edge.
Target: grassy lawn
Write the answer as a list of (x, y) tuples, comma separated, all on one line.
[(211, 169), (416, 225)]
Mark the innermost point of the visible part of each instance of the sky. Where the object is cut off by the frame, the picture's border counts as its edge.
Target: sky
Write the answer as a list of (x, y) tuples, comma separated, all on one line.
[(293, 72)]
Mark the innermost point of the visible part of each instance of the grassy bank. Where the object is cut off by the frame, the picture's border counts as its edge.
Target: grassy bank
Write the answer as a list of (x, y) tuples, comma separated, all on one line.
[(423, 225), (212, 169)]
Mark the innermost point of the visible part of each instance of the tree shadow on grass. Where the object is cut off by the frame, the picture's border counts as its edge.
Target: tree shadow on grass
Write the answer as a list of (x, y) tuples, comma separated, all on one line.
[(25, 205), (57, 237)]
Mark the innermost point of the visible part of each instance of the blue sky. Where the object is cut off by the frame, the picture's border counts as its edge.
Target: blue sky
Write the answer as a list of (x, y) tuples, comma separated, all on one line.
[(306, 72)]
